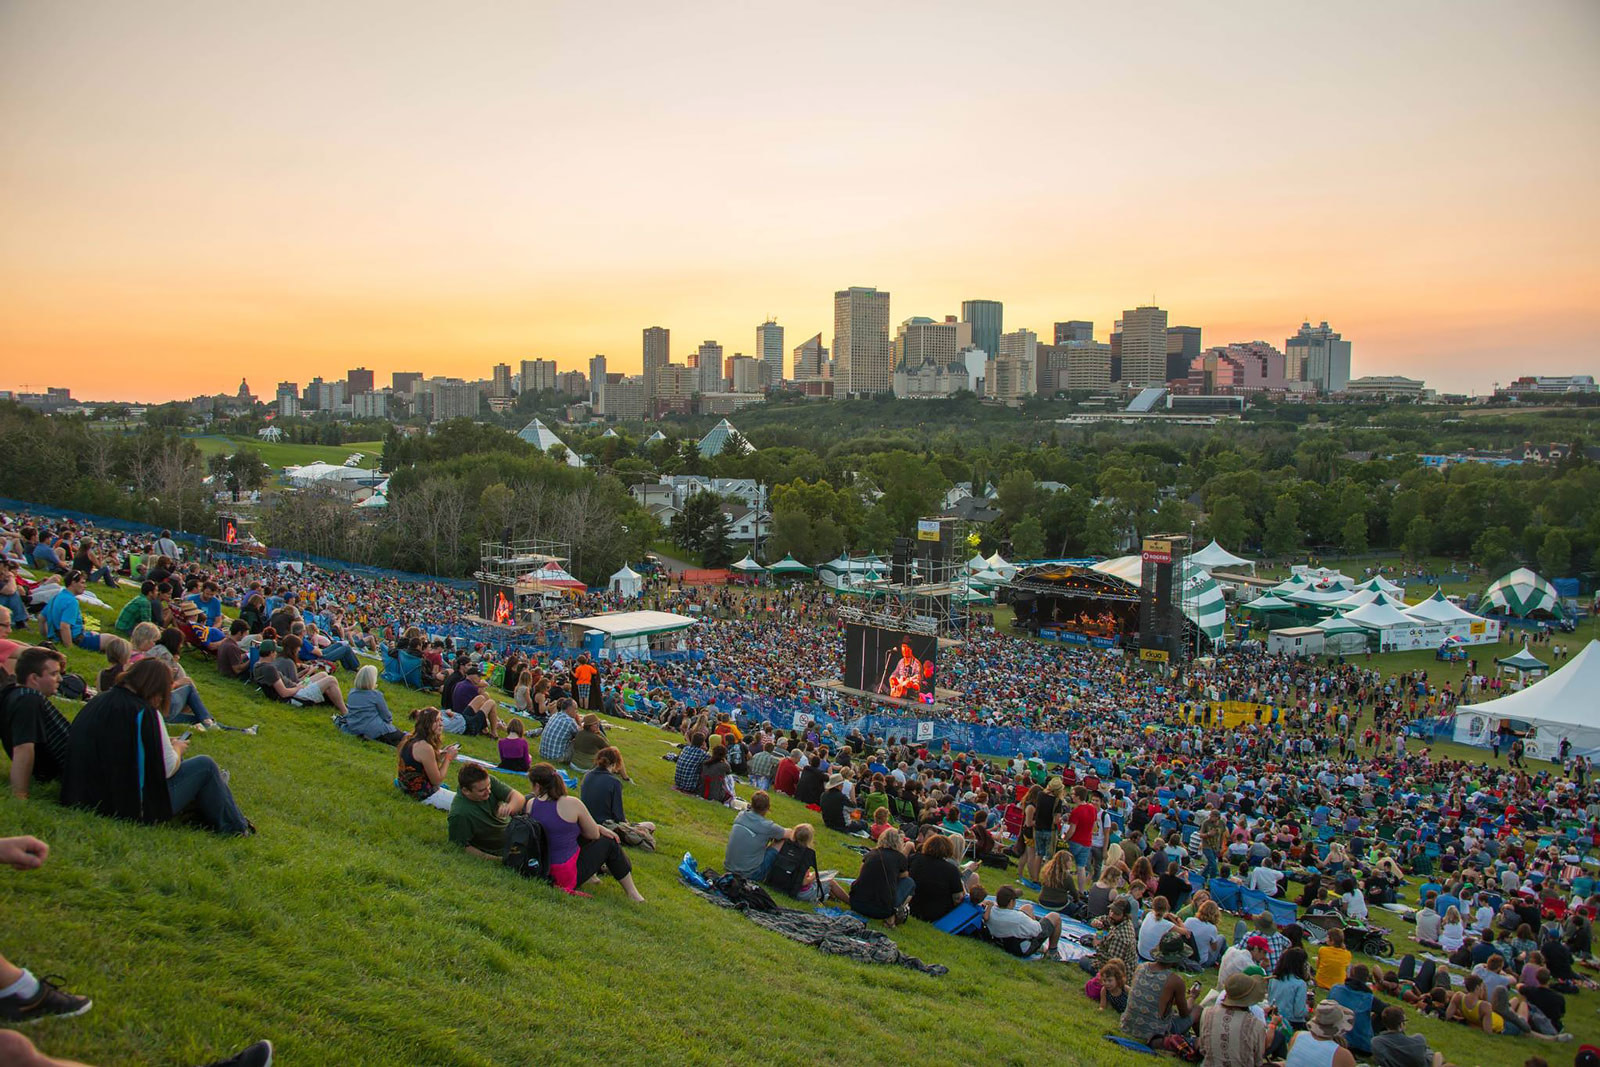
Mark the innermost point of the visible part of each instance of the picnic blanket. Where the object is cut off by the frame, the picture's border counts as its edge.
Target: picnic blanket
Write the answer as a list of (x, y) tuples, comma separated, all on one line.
[(837, 936)]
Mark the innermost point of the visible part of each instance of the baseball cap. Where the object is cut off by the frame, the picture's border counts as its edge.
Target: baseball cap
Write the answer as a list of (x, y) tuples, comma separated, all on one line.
[(1257, 941)]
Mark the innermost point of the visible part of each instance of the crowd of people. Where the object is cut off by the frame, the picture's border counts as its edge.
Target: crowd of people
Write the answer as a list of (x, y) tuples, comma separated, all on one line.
[(1319, 810)]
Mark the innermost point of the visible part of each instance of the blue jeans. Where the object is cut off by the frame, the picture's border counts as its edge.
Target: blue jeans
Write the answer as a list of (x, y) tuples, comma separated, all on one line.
[(1211, 870), (89, 641), (18, 606), (185, 705), (767, 861), (342, 654), (198, 785), (902, 892)]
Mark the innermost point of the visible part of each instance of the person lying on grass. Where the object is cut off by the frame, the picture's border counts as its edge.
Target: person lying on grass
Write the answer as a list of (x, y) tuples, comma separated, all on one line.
[(580, 848)]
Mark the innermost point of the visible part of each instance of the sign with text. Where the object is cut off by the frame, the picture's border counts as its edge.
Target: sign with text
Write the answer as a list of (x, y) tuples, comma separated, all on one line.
[(1153, 655), (802, 720), (927, 529), (924, 731), (1156, 551)]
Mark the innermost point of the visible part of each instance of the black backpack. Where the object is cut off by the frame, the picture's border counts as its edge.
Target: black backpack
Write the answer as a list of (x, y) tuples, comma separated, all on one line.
[(527, 848), (789, 868), (745, 894)]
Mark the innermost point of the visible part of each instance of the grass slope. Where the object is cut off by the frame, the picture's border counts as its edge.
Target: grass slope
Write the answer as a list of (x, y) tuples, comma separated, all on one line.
[(285, 453), (349, 931)]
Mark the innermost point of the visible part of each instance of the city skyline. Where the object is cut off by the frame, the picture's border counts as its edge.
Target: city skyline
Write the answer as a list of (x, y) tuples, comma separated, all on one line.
[(180, 197)]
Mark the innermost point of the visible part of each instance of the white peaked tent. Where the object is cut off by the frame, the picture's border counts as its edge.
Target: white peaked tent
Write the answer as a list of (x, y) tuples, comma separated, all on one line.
[(1214, 555), (998, 564), (1561, 706), (1437, 609), (748, 565), (1341, 635), (627, 581), (977, 563)]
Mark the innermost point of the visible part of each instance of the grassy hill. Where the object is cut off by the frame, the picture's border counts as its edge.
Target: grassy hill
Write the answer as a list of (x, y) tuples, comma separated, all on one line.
[(279, 454), (349, 931)]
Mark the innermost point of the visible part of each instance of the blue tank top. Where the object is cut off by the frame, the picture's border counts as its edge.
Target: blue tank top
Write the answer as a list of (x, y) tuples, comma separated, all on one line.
[(561, 834)]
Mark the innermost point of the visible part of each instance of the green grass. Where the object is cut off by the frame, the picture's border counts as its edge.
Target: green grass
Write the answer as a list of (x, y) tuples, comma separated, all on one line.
[(284, 453), (349, 931)]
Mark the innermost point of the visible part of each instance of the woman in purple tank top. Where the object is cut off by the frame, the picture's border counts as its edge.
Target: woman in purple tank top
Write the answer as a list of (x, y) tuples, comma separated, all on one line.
[(572, 832)]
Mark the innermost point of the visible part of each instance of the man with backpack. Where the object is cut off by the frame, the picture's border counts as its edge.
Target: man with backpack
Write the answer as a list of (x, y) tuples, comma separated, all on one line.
[(480, 812)]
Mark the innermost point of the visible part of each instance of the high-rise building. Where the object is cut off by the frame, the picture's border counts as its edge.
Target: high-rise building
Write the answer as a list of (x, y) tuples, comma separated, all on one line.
[(1009, 374), (502, 379), (708, 360), (573, 383), (1074, 330), (1183, 348), (404, 380), (598, 384), (1144, 347), (769, 350), (625, 397), (862, 351), (454, 398), (1318, 356), (357, 381), (809, 359), (987, 319), (676, 386), (538, 375), (744, 374), (288, 399), (921, 340), (373, 404), (318, 396), (657, 354)]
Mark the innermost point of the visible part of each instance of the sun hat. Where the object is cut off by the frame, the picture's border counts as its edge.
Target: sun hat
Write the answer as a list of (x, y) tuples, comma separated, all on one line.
[(1173, 948), (1330, 1020), (834, 781), (1243, 990)]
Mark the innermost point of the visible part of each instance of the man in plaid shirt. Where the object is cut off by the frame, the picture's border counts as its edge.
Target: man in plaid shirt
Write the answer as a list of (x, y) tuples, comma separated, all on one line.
[(1277, 944), (555, 743), (33, 733), (1120, 941), (687, 777)]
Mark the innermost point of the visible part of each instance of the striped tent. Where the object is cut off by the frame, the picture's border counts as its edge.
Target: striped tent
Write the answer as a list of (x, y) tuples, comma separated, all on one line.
[(1202, 596), (1522, 593)]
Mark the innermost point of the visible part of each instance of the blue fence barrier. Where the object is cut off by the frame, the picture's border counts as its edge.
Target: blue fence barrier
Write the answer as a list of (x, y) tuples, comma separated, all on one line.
[(103, 521)]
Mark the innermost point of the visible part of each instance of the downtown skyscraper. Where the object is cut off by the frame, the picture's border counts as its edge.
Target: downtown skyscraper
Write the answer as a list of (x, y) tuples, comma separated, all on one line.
[(862, 351), (769, 350)]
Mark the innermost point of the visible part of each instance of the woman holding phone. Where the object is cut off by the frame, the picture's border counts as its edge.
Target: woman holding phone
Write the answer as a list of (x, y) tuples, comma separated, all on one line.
[(422, 760)]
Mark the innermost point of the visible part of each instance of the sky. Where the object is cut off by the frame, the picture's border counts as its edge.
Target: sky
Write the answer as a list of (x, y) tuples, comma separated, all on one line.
[(195, 191)]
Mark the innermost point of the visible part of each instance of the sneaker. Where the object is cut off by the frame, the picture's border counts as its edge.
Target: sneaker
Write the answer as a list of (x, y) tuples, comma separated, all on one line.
[(257, 1055), (198, 727), (48, 1003), (252, 730)]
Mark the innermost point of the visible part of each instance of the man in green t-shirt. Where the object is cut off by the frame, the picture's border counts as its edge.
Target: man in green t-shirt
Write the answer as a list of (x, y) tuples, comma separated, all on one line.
[(482, 808)]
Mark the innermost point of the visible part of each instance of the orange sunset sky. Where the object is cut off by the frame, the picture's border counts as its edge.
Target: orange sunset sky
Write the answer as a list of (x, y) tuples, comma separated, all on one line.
[(192, 191)]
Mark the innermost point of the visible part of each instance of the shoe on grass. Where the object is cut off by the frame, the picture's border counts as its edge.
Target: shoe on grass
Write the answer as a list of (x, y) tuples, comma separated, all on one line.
[(198, 727), (257, 1055), (252, 730), (50, 1002)]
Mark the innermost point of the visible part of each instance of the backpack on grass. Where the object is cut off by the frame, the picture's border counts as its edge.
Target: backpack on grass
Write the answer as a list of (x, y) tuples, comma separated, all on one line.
[(744, 893), (527, 848)]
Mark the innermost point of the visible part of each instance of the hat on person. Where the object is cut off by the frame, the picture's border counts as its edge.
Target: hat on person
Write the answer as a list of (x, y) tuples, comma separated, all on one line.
[(1243, 990), (1586, 1056), (1257, 941), (1173, 948), (834, 781), (1330, 1020), (473, 668), (269, 645)]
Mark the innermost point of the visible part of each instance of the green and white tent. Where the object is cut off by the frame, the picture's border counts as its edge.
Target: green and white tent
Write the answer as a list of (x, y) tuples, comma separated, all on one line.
[(789, 565), (1202, 596), (1522, 593)]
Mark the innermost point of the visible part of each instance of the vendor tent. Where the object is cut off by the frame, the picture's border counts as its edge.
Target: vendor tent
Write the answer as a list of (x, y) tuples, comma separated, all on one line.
[(789, 565), (998, 564), (1344, 636), (627, 582), (748, 565), (1267, 603), (1562, 705), (1522, 593), (1437, 609), (1524, 661), (1214, 556), (551, 576), (1383, 612), (977, 563)]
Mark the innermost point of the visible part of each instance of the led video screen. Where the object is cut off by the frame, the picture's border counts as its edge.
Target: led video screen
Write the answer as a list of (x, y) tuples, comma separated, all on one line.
[(890, 663)]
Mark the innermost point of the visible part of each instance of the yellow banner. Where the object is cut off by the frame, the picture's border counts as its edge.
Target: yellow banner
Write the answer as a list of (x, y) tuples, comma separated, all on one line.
[(1153, 655)]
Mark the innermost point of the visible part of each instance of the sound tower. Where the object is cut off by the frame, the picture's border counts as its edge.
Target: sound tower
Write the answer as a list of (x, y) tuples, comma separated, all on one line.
[(1161, 619), (900, 562), (935, 549)]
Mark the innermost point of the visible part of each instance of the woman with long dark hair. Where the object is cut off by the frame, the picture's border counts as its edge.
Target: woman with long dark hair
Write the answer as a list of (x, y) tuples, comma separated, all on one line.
[(580, 848), (422, 759)]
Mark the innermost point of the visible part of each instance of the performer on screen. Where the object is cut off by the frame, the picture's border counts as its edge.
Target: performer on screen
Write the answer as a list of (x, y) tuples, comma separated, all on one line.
[(905, 681)]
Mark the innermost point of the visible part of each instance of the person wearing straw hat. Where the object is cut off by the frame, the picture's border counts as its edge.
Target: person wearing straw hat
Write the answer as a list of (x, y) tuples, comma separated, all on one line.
[(1321, 1043), (1159, 1004), (1231, 1035)]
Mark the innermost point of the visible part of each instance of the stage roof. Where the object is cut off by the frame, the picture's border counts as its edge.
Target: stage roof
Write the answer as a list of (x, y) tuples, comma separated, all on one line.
[(633, 623)]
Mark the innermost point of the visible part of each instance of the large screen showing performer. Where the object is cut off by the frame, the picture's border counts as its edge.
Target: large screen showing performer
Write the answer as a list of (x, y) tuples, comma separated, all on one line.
[(890, 663)]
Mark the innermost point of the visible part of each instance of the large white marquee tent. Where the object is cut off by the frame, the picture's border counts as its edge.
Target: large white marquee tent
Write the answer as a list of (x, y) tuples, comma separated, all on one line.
[(1562, 705)]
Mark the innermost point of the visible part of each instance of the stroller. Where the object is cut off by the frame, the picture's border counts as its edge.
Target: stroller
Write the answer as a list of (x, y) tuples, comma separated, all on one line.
[(1358, 936)]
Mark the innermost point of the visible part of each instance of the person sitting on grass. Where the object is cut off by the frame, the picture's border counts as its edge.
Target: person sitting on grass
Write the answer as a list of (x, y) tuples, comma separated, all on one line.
[(1159, 1003), (233, 662), (1017, 928), (121, 763), (1323, 1040), (795, 872), (880, 823), (753, 841), (63, 616), (34, 733), (422, 759), (1058, 880), (282, 681), (470, 698), (939, 884), (835, 808), (480, 811), (118, 654), (1333, 961), (715, 776), (1109, 987), (692, 757), (883, 888), (1393, 1047), (601, 791), (142, 608), (1232, 1033), (367, 712), (588, 741), (580, 848), (513, 748), (555, 743)]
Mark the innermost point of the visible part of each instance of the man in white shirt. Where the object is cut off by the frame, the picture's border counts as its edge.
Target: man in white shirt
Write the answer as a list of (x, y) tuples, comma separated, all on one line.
[(1264, 879), (1004, 918)]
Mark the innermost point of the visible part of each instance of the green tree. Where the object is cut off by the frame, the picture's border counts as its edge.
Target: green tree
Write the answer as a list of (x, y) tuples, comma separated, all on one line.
[(1555, 554), (1492, 549), (1281, 536), (1353, 536), (1016, 495), (716, 549), (1102, 535), (1027, 538), (1419, 538), (1229, 521), (692, 525)]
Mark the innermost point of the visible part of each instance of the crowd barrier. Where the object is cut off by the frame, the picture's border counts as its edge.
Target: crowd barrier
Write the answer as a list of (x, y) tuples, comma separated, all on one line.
[(104, 522)]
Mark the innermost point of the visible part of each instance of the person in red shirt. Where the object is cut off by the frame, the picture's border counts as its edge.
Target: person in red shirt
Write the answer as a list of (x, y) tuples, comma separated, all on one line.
[(1082, 820), (787, 776)]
